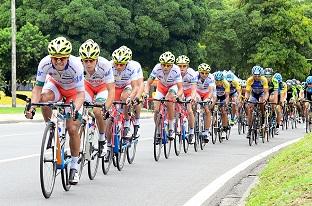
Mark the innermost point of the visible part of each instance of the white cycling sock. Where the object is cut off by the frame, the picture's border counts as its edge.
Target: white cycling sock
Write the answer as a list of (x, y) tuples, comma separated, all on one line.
[(137, 122), (171, 124), (102, 137), (127, 123), (74, 163), (191, 131)]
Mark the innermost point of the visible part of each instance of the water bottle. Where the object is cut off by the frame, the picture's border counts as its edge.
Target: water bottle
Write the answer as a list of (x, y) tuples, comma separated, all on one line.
[(185, 123), (166, 126), (91, 129)]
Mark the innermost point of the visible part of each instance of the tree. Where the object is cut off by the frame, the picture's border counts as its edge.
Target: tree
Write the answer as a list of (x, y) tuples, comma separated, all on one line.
[(31, 47), (280, 37)]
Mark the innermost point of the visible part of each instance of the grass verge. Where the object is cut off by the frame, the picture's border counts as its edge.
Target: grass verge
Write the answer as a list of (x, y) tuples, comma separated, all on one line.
[(287, 179)]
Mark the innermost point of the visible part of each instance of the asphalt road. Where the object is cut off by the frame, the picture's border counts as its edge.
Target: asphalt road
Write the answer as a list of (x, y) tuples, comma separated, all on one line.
[(145, 182)]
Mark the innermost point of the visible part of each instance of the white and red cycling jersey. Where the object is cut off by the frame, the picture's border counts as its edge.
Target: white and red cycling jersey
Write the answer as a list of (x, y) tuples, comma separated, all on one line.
[(63, 83), (189, 79), (203, 85), (95, 83), (124, 78), (138, 67), (167, 82)]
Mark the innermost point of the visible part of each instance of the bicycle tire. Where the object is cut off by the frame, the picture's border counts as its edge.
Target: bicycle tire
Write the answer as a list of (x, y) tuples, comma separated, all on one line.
[(167, 148), (178, 136), (93, 163), (65, 174), (131, 150), (82, 160), (121, 157), (219, 129), (227, 133), (106, 165), (48, 140), (213, 128), (196, 133), (158, 130)]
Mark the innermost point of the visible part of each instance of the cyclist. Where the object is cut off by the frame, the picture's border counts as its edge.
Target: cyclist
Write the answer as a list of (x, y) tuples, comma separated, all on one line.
[(205, 92), (223, 94), (136, 65), (189, 88), (300, 95), (235, 95), (126, 88), (99, 83), (169, 86), (307, 94), (256, 91), (242, 97), (273, 92), (282, 94), (65, 78)]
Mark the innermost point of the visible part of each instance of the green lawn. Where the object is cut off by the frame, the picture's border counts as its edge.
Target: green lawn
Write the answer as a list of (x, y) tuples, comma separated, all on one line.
[(12, 110), (287, 179)]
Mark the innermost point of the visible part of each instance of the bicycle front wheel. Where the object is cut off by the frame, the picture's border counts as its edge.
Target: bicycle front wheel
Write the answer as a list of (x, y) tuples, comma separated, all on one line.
[(93, 163), (178, 136), (131, 150), (65, 173), (167, 148), (158, 133), (47, 161), (214, 123), (83, 139), (121, 156)]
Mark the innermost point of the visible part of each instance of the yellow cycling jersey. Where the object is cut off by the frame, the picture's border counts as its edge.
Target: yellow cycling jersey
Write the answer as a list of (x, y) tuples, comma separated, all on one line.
[(284, 88), (258, 86), (223, 88)]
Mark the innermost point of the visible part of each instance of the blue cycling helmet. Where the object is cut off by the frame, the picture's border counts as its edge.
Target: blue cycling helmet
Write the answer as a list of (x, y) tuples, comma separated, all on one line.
[(219, 76), (278, 77), (229, 76), (257, 70), (309, 80)]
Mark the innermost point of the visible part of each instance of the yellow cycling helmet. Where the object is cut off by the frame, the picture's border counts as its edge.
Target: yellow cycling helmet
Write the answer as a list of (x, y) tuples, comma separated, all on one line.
[(120, 56), (183, 60), (59, 47), (203, 67), (167, 58), (127, 49), (89, 50)]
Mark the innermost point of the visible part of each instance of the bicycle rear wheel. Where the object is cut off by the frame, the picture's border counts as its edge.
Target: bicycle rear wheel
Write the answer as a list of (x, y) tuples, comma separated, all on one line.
[(47, 163)]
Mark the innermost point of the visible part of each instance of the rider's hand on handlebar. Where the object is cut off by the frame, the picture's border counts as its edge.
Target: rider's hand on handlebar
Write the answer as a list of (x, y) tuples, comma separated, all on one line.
[(30, 113)]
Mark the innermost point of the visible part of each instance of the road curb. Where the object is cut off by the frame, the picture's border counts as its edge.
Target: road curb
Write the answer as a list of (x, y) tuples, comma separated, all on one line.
[(212, 190)]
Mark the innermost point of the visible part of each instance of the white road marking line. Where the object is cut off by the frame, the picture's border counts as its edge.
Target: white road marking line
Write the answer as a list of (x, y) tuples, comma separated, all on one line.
[(214, 186), (37, 155), (24, 134), (18, 158)]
